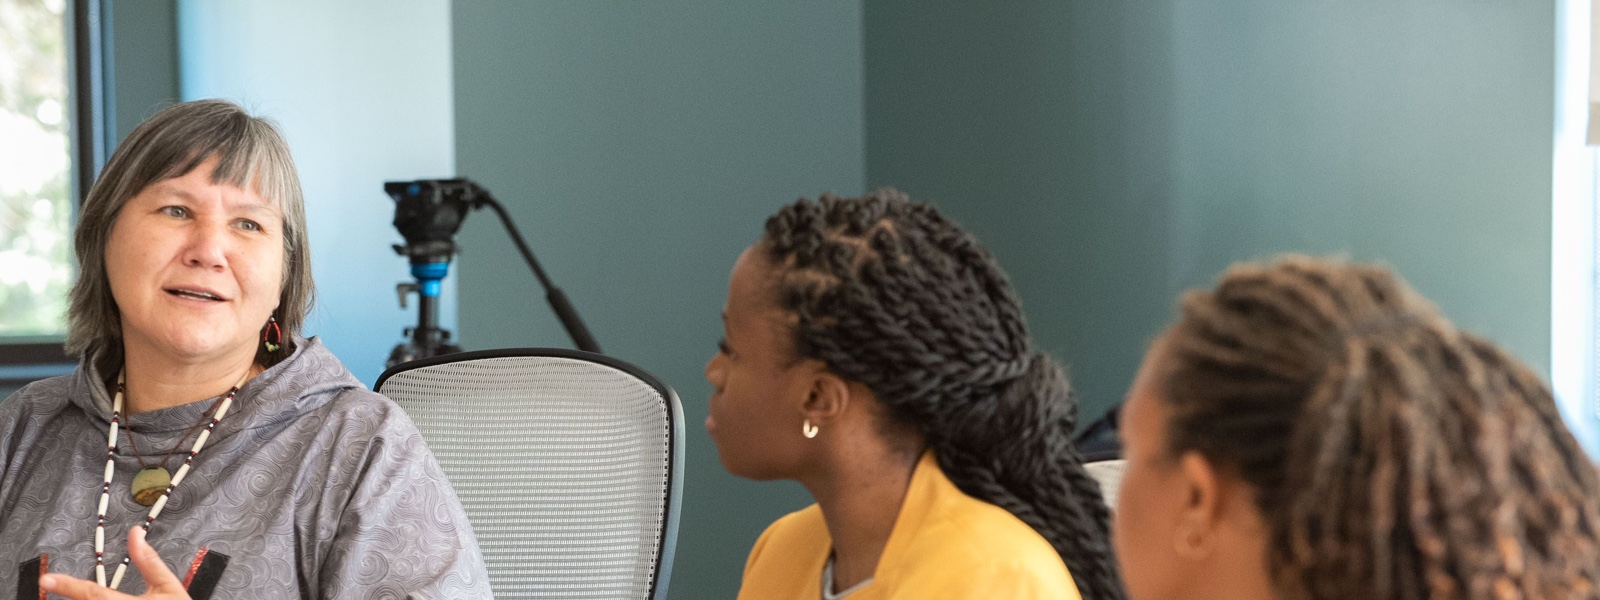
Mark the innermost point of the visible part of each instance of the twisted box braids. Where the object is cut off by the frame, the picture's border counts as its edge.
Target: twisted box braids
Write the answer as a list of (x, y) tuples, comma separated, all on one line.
[(1393, 455), (893, 295)]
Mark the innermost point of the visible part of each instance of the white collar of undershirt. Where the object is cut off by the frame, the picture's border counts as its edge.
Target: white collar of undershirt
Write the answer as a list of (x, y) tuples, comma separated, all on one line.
[(827, 584)]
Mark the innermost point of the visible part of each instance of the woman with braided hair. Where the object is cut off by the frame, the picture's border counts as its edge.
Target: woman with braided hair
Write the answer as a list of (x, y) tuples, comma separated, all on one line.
[(876, 353), (1311, 429)]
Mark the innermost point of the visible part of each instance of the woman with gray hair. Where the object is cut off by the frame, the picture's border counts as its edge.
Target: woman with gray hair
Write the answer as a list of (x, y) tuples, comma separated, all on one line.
[(201, 438)]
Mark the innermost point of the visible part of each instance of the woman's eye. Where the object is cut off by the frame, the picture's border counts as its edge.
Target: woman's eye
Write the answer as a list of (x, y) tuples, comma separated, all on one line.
[(722, 346), (175, 211), (249, 225)]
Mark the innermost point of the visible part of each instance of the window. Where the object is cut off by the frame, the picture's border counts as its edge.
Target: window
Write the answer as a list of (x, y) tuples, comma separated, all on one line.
[(35, 164), (1575, 247), (50, 86)]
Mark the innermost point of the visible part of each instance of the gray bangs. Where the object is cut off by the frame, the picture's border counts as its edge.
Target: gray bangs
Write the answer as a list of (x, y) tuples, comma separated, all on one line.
[(250, 155)]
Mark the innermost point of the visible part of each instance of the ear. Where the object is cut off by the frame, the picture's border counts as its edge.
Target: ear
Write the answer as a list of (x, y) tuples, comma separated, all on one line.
[(1203, 505), (827, 396)]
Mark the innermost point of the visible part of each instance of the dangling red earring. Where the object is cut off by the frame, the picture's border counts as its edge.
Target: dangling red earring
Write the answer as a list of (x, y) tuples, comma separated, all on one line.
[(271, 335)]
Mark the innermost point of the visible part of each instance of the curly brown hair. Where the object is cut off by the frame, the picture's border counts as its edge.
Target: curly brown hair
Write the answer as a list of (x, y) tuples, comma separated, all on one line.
[(1392, 455)]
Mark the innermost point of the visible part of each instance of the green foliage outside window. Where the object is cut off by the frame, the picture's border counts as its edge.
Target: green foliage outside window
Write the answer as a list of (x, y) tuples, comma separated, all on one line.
[(35, 164)]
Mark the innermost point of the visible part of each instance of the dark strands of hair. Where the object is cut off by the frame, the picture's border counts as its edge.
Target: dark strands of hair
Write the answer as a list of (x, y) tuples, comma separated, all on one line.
[(1393, 455), (893, 295)]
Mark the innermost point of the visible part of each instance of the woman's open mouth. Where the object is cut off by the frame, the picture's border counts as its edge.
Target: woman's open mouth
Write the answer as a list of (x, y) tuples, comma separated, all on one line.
[(194, 294)]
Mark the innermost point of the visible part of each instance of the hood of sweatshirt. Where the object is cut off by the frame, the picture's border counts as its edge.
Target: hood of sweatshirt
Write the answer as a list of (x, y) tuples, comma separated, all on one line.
[(305, 381)]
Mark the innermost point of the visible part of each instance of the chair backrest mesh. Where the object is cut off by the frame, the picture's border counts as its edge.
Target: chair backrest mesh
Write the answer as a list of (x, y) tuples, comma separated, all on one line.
[(1109, 474), (563, 466)]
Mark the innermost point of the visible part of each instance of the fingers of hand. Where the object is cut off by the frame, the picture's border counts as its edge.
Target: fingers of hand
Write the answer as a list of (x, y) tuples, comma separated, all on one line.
[(76, 589), (158, 578)]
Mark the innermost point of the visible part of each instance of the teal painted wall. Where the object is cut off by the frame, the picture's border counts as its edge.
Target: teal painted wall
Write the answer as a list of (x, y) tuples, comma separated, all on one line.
[(144, 60), (639, 146), (1114, 154)]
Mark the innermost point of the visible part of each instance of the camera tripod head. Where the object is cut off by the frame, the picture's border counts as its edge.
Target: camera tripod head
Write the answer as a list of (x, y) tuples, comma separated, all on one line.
[(429, 212)]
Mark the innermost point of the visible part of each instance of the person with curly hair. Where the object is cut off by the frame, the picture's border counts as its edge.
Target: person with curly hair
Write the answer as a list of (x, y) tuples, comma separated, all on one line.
[(875, 352), (1313, 429)]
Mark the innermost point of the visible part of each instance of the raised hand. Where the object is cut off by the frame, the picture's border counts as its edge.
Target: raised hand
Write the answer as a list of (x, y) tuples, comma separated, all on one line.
[(160, 583)]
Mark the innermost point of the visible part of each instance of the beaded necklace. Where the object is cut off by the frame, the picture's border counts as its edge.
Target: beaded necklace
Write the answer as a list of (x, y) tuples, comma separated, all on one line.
[(155, 510)]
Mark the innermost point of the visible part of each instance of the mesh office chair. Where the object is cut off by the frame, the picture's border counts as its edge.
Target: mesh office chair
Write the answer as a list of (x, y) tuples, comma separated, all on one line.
[(569, 465)]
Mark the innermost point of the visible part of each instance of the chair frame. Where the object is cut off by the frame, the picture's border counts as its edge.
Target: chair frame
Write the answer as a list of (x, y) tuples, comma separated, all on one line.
[(674, 500)]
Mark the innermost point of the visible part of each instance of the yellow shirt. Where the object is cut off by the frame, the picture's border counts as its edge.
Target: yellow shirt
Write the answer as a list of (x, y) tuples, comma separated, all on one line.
[(945, 544)]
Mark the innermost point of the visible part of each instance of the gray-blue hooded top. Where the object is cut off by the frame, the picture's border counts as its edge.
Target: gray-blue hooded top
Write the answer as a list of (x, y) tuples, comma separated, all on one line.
[(311, 486)]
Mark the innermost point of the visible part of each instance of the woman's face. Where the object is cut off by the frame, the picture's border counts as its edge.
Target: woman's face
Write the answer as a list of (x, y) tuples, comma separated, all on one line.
[(196, 268), (1154, 495), (758, 385)]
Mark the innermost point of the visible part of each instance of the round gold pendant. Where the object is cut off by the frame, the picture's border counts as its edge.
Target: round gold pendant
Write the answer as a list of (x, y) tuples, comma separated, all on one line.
[(149, 484)]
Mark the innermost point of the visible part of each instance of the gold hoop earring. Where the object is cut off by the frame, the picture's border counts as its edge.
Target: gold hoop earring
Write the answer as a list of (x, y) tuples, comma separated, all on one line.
[(808, 430)]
